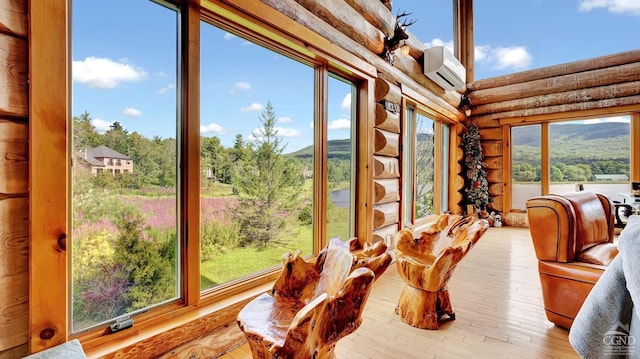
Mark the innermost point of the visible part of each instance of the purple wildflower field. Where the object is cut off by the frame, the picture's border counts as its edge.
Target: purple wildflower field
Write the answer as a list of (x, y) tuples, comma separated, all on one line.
[(160, 213)]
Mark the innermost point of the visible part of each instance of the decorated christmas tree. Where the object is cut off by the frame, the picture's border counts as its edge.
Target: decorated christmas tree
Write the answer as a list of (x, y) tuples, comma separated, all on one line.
[(477, 186)]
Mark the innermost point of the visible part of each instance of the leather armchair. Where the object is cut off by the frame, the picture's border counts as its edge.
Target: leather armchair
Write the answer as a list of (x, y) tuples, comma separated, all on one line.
[(573, 239)]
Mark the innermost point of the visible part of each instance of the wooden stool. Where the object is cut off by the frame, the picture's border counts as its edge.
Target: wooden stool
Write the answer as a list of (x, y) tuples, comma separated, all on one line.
[(426, 264)]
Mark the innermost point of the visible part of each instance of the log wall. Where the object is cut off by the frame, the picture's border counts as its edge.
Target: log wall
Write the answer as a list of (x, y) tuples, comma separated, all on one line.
[(386, 187), (14, 179), (604, 85)]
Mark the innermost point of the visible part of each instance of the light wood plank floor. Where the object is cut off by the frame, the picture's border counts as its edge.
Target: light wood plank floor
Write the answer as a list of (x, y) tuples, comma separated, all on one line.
[(495, 292)]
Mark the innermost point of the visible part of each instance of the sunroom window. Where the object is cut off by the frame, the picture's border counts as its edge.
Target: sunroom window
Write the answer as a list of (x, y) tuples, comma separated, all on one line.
[(425, 165), (275, 161), (124, 225)]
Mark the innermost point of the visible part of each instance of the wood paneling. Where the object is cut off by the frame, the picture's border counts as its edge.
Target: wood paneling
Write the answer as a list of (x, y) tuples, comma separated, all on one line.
[(13, 80), (14, 154), (14, 275), (13, 18), (48, 114)]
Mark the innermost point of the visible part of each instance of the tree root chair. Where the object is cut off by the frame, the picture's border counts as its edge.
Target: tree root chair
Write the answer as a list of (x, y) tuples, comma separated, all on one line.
[(573, 239), (426, 264), (315, 303)]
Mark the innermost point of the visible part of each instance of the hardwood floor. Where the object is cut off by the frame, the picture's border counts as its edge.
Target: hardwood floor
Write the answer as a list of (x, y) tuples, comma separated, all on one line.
[(495, 292)]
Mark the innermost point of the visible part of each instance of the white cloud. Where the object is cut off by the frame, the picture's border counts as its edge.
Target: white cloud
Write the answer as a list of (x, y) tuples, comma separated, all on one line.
[(213, 128), (253, 107), (164, 90), (625, 119), (240, 86), (103, 73), (481, 52), (346, 102), (280, 132), (340, 124), (132, 112), (515, 57), (614, 6), (101, 126), (288, 132), (284, 119), (229, 36), (440, 42)]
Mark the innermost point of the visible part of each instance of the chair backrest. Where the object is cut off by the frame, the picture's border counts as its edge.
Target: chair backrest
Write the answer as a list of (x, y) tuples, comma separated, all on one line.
[(563, 225), (335, 267)]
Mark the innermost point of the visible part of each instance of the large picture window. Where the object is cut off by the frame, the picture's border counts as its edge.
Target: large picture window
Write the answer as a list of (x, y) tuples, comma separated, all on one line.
[(124, 212), (587, 154), (272, 166)]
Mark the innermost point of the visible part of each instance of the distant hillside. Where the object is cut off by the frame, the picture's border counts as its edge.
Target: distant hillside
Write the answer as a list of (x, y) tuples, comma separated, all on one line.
[(574, 143), (338, 149), (530, 135)]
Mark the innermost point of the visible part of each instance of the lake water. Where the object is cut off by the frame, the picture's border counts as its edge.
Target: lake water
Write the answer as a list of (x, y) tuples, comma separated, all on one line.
[(341, 197)]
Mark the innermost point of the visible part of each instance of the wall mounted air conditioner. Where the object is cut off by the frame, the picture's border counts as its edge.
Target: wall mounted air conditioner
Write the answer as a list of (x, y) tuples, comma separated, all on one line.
[(444, 69)]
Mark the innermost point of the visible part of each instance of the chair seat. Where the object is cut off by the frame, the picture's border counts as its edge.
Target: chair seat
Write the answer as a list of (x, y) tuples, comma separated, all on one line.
[(313, 303), (269, 318)]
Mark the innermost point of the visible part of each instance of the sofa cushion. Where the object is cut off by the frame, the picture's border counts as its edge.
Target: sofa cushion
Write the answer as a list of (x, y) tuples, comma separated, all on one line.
[(602, 254)]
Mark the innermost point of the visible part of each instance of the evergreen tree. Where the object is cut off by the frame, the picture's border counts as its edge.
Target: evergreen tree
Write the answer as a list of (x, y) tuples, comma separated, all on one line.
[(267, 184)]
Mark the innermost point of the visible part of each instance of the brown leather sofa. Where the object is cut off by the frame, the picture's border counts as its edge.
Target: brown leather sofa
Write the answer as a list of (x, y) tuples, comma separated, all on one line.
[(573, 239)]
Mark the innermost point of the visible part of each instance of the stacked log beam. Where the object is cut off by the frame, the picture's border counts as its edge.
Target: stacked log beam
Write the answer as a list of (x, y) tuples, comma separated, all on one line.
[(14, 179), (577, 88), (386, 186)]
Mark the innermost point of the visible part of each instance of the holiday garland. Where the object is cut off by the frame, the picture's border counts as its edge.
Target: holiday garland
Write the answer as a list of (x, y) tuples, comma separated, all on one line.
[(477, 186)]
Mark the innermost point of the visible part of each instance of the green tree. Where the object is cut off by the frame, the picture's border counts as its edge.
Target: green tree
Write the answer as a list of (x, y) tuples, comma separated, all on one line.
[(84, 133), (116, 138), (267, 184), (149, 274)]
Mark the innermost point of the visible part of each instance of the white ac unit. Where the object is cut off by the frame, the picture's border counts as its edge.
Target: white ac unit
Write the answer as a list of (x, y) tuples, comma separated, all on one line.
[(443, 68)]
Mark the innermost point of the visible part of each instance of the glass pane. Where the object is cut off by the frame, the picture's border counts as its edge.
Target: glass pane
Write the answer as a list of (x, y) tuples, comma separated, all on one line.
[(408, 166), (590, 155), (340, 207), (526, 162), (444, 175), (425, 166), (257, 153), (124, 249)]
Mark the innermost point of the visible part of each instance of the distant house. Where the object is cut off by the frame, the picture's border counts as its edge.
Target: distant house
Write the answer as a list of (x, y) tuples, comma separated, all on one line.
[(103, 158)]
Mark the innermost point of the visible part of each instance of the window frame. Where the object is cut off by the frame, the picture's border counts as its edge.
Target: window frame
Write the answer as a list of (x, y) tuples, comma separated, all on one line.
[(544, 121), (427, 108), (50, 111)]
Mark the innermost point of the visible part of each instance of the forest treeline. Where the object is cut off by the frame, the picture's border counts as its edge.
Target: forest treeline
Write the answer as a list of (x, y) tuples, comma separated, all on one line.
[(155, 158), (577, 152)]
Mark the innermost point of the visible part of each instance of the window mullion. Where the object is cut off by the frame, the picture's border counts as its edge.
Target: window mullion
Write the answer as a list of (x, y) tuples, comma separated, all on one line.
[(190, 84)]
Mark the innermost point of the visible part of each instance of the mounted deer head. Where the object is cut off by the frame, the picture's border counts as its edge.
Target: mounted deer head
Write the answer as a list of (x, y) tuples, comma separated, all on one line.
[(391, 43)]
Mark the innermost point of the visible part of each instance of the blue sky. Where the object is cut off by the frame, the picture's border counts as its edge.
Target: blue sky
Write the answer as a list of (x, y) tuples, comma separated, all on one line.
[(124, 65)]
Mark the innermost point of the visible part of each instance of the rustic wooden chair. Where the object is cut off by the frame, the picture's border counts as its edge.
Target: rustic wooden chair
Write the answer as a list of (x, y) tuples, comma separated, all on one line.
[(426, 263), (313, 303)]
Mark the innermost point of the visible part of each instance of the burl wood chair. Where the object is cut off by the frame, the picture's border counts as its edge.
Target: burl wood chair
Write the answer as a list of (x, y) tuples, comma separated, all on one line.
[(426, 264), (313, 304)]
